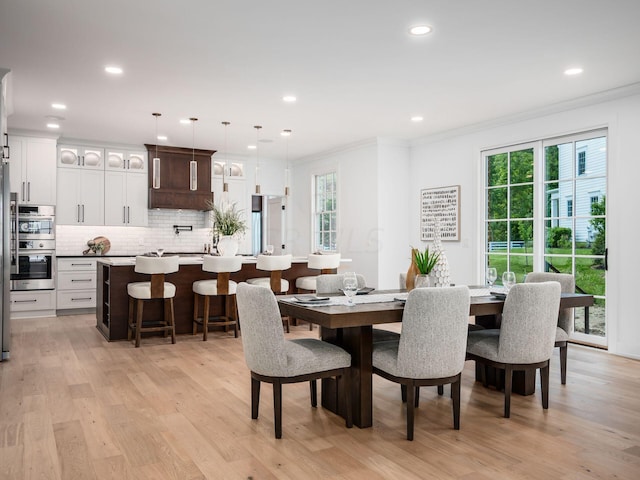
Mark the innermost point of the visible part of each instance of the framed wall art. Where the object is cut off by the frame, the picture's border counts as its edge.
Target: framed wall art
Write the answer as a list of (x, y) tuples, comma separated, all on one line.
[(442, 203)]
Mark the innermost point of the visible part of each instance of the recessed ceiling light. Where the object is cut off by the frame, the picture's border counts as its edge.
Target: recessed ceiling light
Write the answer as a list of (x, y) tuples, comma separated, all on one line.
[(417, 118), (251, 147), (289, 98), (112, 69), (185, 121), (59, 106), (573, 71), (53, 125), (285, 133), (419, 30), (162, 137)]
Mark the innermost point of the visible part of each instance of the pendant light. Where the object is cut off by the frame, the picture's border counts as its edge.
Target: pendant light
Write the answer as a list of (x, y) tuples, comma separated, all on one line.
[(257, 127), (286, 134), (155, 182), (225, 185), (193, 165)]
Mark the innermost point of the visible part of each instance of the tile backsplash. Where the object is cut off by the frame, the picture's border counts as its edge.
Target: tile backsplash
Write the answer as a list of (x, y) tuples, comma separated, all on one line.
[(72, 239)]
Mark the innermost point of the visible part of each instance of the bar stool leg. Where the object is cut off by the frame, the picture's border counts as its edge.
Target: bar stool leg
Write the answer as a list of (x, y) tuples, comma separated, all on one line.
[(172, 320), (205, 319), (130, 322), (140, 307)]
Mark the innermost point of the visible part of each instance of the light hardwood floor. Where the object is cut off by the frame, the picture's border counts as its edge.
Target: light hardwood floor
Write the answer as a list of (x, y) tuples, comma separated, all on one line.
[(73, 406)]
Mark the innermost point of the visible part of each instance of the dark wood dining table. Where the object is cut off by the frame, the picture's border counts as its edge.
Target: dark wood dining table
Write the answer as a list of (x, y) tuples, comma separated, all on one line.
[(351, 327)]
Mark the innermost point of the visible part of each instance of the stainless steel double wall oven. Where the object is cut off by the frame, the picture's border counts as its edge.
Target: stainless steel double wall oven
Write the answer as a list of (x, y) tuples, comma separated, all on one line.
[(33, 247)]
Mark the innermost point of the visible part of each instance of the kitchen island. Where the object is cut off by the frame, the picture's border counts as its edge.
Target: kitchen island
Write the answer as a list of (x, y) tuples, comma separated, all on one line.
[(114, 273)]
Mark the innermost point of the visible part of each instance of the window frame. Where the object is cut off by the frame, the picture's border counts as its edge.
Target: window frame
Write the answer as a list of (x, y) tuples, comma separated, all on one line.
[(316, 213)]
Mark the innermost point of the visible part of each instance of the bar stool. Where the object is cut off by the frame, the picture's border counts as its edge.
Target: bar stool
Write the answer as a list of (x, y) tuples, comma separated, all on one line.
[(325, 263), (157, 288), (274, 264), (220, 286)]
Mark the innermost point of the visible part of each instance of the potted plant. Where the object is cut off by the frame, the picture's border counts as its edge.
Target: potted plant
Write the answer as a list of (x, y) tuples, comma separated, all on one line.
[(228, 222), (425, 261)]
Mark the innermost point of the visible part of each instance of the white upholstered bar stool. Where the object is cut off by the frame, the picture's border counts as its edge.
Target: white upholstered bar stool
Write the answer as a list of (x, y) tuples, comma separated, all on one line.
[(157, 288), (325, 263), (220, 286), (275, 264)]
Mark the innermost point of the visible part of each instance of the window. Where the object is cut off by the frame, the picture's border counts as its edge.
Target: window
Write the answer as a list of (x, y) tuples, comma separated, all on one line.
[(544, 211), (582, 162), (325, 212)]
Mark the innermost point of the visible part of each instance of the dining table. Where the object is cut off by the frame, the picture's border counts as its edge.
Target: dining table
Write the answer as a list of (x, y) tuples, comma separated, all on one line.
[(351, 327)]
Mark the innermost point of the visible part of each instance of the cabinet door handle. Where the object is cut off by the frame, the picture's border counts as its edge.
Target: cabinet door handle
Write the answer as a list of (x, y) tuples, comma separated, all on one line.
[(124, 214), (33, 300), (81, 279), (81, 264), (83, 213), (78, 212), (128, 215), (28, 191), (81, 299), (22, 191)]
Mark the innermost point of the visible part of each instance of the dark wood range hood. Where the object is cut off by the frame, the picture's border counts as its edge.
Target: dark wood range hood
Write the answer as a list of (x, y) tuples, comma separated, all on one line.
[(174, 191)]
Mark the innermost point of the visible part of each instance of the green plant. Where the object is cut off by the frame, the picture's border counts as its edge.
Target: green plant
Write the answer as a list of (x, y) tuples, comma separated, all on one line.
[(425, 261), (227, 219), (559, 237)]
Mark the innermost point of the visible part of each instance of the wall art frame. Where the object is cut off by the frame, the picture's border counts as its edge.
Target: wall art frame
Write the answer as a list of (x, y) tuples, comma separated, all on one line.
[(442, 203)]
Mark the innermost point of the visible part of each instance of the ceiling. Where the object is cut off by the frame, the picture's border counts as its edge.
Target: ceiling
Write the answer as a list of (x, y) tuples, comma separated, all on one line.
[(354, 69)]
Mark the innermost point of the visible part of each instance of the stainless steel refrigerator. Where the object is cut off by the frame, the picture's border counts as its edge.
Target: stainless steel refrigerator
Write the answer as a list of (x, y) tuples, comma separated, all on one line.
[(5, 260)]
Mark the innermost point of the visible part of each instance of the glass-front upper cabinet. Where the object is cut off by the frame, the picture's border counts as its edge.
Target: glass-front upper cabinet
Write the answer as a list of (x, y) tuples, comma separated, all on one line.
[(127, 160), (70, 156)]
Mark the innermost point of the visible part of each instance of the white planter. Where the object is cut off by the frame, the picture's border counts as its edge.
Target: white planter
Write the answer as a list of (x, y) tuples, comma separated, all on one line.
[(422, 281), (227, 246)]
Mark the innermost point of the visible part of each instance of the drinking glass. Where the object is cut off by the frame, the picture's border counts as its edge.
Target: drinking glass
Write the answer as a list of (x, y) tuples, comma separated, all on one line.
[(159, 251), (492, 276), (269, 250), (508, 280), (350, 286)]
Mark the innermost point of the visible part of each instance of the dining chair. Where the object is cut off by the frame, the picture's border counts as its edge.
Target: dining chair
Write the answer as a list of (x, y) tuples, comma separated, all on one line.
[(431, 347), (211, 288), (155, 289), (565, 316), (526, 337), (272, 359), (275, 265), (332, 283)]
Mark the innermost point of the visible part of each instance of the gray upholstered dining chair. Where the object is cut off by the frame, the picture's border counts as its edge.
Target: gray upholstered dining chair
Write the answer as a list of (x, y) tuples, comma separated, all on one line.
[(332, 283), (274, 360), (526, 337), (431, 348), (565, 317)]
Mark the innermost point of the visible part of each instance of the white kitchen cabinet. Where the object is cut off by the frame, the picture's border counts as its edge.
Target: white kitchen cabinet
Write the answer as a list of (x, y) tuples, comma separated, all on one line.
[(125, 160), (33, 303), (33, 170), (81, 157), (76, 284), (80, 197), (126, 198)]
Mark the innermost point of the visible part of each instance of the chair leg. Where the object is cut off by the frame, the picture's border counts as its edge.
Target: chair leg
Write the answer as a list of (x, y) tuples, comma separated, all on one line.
[(417, 400), (411, 391), (205, 318), (195, 313), (563, 364), (130, 324), (255, 397), (440, 390), (172, 317), (455, 396), (346, 379), (140, 307), (234, 311), (277, 408), (544, 385), (313, 389), (165, 317), (508, 376)]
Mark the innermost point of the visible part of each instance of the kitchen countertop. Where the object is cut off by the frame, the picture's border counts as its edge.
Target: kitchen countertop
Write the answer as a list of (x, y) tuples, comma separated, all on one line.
[(189, 259)]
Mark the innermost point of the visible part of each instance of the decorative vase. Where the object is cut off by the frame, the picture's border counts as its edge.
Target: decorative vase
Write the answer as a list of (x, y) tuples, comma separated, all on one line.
[(412, 272), (422, 280), (227, 245)]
